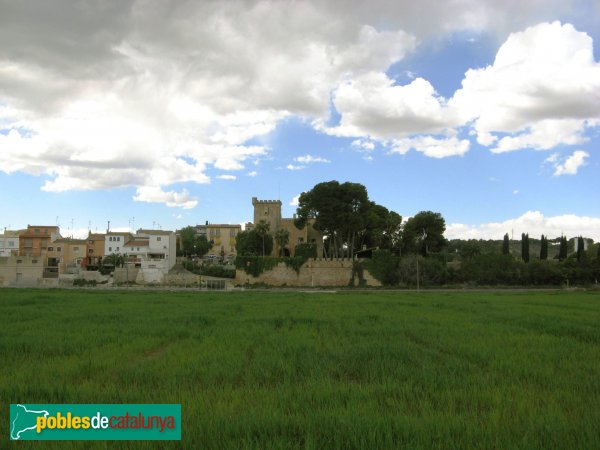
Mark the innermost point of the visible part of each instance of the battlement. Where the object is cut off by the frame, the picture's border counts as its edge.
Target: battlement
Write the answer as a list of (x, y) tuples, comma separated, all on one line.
[(255, 201)]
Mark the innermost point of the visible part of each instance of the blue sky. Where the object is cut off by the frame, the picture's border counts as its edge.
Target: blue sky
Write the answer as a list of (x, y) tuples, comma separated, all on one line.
[(492, 121)]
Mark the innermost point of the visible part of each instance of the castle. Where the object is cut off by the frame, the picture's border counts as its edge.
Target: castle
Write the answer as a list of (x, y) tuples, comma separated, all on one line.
[(270, 212)]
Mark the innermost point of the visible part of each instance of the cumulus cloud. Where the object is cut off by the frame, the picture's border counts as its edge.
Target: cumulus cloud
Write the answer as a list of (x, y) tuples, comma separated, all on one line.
[(294, 167), (227, 177), (532, 222), (110, 101), (373, 105), (154, 194), (252, 174), (295, 200), (543, 89), (309, 159), (567, 165), (152, 93), (432, 146), (364, 145)]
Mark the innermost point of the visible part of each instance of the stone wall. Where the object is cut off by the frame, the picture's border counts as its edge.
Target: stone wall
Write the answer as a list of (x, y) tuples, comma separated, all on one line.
[(313, 273)]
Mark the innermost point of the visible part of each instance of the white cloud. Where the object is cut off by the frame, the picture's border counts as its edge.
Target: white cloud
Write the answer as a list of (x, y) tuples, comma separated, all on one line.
[(431, 146), (295, 200), (294, 167), (532, 222), (309, 159), (515, 191), (252, 174), (365, 145), (543, 89), (372, 105), (154, 92), (154, 194), (569, 165), (127, 93), (227, 177)]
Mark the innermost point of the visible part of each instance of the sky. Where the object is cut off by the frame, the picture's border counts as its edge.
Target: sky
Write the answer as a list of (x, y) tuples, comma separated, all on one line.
[(159, 114)]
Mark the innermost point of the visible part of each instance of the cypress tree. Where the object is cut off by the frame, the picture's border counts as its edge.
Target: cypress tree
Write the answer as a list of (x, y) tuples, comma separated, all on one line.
[(525, 247), (580, 246), (505, 245), (562, 252), (544, 249)]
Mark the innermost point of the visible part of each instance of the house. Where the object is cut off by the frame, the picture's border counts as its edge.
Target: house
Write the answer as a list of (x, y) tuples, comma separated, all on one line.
[(9, 242), (162, 249), (66, 255), (270, 212), (18, 270), (114, 241), (35, 239), (95, 249), (222, 237)]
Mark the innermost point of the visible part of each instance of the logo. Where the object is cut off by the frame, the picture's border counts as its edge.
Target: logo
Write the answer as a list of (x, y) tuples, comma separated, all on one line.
[(95, 422)]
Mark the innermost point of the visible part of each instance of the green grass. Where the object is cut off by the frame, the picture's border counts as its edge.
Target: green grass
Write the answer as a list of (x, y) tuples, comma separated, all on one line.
[(315, 370)]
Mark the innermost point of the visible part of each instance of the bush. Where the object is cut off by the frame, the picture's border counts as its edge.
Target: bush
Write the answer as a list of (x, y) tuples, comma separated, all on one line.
[(384, 267), (305, 250), (255, 265)]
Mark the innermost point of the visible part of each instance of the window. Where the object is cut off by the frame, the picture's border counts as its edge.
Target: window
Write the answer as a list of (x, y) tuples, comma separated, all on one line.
[(90, 242), (28, 242), (19, 261), (117, 248), (34, 261), (300, 240), (158, 238), (110, 239), (50, 249), (75, 249), (231, 233), (11, 243), (58, 249), (90, 251), (110, 249), (119, 238), (266, 210), (138, 249), (36, 231)]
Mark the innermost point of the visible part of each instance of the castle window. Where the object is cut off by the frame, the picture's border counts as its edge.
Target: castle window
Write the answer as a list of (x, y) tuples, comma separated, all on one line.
[(266, 210)]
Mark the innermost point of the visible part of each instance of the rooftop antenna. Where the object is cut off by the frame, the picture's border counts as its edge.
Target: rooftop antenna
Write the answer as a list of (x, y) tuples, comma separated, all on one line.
[(108, 227)]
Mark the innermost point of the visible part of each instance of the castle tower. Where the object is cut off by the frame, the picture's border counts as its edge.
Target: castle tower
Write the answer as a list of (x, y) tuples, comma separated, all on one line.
[(269, 211)]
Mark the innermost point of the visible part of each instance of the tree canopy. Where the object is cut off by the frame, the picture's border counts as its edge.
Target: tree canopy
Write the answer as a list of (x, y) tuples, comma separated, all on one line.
[(192, 243), (424, 233), (347, 218), (251, 243)]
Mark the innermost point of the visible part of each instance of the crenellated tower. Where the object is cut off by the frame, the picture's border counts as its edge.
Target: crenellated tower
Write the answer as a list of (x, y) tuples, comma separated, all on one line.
[(269, 211)]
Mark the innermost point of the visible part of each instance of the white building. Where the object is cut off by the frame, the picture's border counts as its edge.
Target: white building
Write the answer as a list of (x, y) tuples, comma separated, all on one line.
[(114, 241), (162, 249), (9, 243)]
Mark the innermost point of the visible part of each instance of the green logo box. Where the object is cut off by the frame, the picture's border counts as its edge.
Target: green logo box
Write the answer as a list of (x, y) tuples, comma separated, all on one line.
[(85, 422)]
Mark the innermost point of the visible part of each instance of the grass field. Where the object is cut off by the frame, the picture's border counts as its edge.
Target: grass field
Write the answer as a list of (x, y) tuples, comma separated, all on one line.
[(315, 370)]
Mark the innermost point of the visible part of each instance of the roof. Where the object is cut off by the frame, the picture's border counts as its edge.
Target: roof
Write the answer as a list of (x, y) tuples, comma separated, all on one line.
[(95, 237), (70, 241), (117, 233), (13, 233), (222, 225), (161, 232)]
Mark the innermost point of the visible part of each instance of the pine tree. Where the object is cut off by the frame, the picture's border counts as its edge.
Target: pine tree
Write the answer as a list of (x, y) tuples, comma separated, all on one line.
[(505, 245), (525, 247), (544, 249)]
